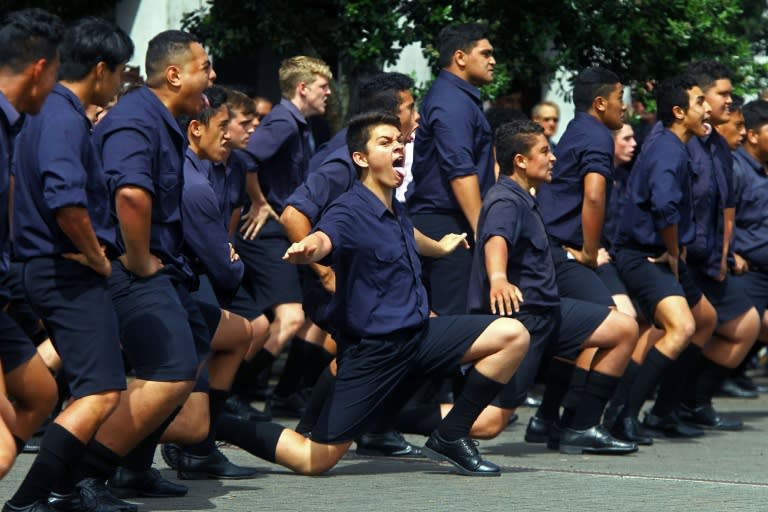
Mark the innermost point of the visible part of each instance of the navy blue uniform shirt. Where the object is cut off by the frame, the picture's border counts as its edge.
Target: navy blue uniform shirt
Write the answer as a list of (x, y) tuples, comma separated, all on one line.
[(280, 149), (585, 147), (228, 182), (337, 141), (141, 145), (378, 273), (712, 166), (750, 191), (334, 176), (205, 225), (56, 166), (512, 213), (614, 208), (658, 194), (11, 123), (453, 140)]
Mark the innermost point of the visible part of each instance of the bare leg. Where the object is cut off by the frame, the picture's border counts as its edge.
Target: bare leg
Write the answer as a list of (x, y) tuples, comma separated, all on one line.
[(35, 393)]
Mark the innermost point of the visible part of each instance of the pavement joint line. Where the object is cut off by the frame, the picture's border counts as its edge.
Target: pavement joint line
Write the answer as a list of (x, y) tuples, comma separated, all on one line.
[(636, 476)]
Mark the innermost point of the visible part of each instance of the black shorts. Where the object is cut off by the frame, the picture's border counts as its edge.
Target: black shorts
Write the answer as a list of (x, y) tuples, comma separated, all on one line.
[(560, 332), (163, 332), (15, 346), (446, 278), (18, 307), (649, 283), (316, 298), (271, 281), (377, 376), (76, 307), (609, 275), (755, 284), (576, 281), (728, 297)]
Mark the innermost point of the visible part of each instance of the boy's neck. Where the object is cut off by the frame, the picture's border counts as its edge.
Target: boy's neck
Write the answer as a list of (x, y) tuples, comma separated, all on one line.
[(383, 192), (682, 133), (521, 179)]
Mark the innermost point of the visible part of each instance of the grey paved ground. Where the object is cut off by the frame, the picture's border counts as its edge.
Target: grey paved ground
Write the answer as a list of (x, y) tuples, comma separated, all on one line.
[(722, 471)]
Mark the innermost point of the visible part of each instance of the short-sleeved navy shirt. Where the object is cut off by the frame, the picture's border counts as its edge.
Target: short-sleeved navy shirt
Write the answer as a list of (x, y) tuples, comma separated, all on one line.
[(378, 272), (337, 141), (511, 212), (658, 194), (334, 176), (141, 145), (205, 225), (280, 150), (586, 146), (228, 182), (453, 140), (10, 123), (750, 191), (614, 208), (712, 166), (56, 166)]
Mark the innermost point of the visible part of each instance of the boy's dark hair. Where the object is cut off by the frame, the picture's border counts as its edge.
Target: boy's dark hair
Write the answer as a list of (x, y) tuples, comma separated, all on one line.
[(591, 83), (755, 114), (237, 100), (360, 127), (738, 103), (90, 41), (162, 49), (215, 97), (707, 72), (673, 92), (27, 36), (514, 138), (381, 92), (462, 37), (498, 116)]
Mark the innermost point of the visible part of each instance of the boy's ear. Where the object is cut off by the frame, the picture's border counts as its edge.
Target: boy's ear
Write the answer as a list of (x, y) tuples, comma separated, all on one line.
[(360, 159), (520, 161), (600, 104), (194, 128), (678, 112)]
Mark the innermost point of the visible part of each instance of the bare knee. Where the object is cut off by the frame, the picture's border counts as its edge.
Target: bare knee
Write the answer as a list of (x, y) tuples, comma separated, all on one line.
[(491, 422), (515, 335), (627, 331), (7, 457), (291, 317), (102, 404)]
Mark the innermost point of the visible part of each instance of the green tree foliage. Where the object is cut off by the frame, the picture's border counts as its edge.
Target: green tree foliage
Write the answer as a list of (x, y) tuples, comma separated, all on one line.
[(69, 10)]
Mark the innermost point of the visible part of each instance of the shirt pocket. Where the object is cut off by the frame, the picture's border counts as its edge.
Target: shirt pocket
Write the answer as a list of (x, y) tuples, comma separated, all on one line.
[(168, 183), (389, 271)]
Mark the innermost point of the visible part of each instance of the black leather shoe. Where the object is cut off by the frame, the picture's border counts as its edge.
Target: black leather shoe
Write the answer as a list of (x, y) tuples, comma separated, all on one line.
[(595, 440), (707, 416), (553, 442), (241, 407), (32, 445), (291, 406), (671, 426), (38, 506), (95, 495), (538, 430), (129, 484), (612, 413), (171, 454), (462, 453), (215, 465), (387, 444), (627, 428), (731, 388)]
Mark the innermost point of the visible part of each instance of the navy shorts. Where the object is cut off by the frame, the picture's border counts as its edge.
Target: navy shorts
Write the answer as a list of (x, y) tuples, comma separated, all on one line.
[(446, 278), (609, 275), (163, 332), (649, 283), (18, 307), (576, 281), (728, 297), (755, 285), (15, 346), (76, 307), (377, 376), (316, 298), (271, 280), (561, 332)]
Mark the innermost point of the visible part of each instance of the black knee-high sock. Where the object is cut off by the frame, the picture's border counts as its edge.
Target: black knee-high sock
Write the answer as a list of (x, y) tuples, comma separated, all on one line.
[(249, 370), (216, 399), (321, 391), (142, 456), (100, 462), (558, 378), (680, 376), (316, 358), (258, 438), (624, 388), (418, 419), (599, 389), (647, 377), (478, 392), (710, 378), (293, 370), (572, 398), (59, 452)]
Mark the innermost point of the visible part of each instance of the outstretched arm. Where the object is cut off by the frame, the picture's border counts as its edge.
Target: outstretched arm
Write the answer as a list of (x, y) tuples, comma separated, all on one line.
[(437, 249), (313, 248)]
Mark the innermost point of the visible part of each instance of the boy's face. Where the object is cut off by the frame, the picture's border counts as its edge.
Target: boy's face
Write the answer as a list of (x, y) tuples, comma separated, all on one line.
[(240, 130), (614, 108), (317, 94), (479, 63), (539, 162), (758, 140), (43, 79), (733, 131), (624, 144), (547, 119), (698, 112), (107, 85), (409, 115), (719, 98), (196, 76), (385, 153), (214, 136)]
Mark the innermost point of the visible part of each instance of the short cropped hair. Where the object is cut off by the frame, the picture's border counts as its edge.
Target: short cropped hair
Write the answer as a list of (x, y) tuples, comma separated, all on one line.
[(162, 51), (707, 72), (90, 41), (361, 126), (738, 103), (498, 116), (27, 36), (462, 37), (515, 138), (214, 98), (299, 69), (381, 92), (536, 111), (239, 101), (673, 92), (591, 83), (755, 114)]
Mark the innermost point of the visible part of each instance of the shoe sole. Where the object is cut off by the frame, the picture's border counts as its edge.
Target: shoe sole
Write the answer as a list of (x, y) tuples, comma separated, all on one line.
[(582, 450), (536, 438), (439, 457), (199, 475), (376, 453), (128, 493)]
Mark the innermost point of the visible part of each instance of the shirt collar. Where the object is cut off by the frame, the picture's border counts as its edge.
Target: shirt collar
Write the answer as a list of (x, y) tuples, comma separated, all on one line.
[(160, 109), (751, 161), (199, 165), (71, 98), (377, 207), (11, 114), (462, 84), (515, 187), (294, 110)]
